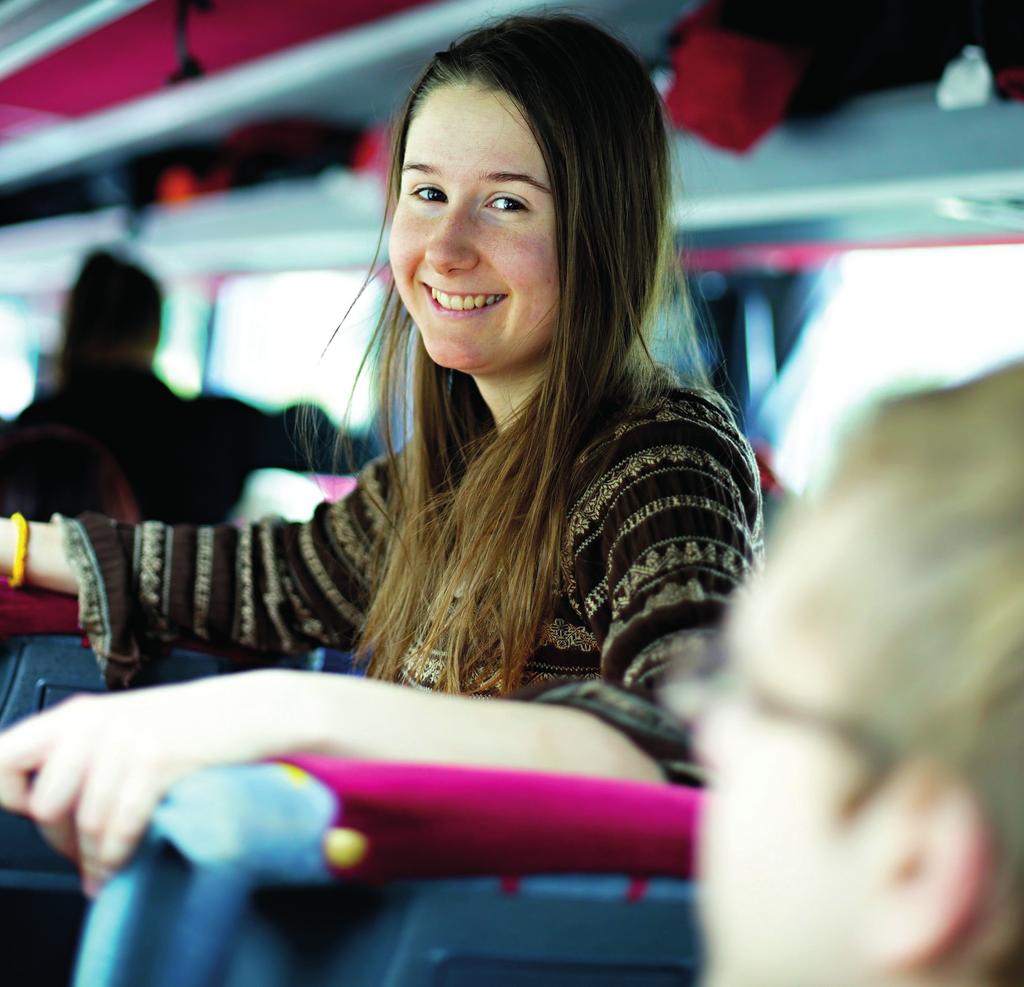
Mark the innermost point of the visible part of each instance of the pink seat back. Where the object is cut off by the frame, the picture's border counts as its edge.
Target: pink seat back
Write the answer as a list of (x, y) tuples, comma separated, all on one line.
[(438, 821)]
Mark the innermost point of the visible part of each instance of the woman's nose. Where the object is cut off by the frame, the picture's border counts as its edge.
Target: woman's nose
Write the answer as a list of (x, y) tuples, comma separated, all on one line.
[(451, 246)]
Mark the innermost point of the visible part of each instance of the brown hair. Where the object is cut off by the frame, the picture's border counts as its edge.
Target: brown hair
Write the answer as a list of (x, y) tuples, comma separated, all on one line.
[(113, 305), (468, 579), (909, 574)]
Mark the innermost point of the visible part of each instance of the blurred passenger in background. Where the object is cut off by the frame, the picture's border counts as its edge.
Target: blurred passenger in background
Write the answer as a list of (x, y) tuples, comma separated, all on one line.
[(867, 821), (49, 469), (185, 460)]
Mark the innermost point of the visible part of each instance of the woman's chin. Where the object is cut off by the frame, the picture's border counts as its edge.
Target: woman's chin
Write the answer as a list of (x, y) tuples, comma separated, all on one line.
[(467, 359)]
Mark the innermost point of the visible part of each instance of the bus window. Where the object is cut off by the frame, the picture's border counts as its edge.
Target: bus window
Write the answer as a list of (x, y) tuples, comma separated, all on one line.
[(181, 355), (892, 321), (17, 358), (310, 361)]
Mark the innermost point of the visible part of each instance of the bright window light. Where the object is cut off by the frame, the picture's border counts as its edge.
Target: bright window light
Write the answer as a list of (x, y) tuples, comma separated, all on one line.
[(179, 357), (270, 337), (17, 369), (898, 321)]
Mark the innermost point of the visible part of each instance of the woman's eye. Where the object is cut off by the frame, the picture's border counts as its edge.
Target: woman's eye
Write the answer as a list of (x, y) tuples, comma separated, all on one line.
[(504, 203), (429, 194)]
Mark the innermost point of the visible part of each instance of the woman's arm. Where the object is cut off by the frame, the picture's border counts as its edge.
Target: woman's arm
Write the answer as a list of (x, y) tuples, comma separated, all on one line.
[(46, 564), (345, 717), (272, 586), (91, 771)]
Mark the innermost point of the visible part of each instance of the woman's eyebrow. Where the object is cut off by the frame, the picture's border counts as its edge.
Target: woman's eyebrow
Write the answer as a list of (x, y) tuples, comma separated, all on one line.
[(516, 176), (493, 176)]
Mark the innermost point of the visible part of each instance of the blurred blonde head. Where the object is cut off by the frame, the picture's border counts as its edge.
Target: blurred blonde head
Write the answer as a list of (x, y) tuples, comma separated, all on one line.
[(912, 566), (892, 610)]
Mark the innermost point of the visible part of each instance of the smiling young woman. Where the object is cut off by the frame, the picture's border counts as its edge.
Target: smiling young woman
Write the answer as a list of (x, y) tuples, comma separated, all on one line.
[(563, 511), (543, 424)]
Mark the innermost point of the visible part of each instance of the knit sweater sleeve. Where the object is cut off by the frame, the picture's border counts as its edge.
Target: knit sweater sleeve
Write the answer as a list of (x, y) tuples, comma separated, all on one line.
[(273, 586), (667, 529)]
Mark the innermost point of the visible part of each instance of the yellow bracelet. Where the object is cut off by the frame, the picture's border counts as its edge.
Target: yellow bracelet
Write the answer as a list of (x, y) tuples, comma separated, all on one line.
[(20, 552)]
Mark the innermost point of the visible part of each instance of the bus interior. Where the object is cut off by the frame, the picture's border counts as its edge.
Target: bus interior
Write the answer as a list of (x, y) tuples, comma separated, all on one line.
[(857, 238)]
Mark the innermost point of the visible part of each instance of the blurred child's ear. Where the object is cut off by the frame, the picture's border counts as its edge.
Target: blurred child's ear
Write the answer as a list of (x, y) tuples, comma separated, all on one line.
[(929, 851)]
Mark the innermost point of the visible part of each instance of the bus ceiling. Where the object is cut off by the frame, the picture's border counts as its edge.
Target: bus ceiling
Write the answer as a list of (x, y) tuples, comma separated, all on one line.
[(97, 99)]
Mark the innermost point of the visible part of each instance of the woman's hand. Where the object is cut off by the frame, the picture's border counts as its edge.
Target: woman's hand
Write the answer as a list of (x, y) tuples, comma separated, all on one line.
[(91, 771)]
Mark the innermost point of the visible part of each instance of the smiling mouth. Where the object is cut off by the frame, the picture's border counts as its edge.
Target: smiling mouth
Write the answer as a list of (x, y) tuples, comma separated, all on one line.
[(462, 303)]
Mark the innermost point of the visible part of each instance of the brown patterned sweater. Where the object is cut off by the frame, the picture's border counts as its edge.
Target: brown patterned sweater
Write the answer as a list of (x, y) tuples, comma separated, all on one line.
[(667, 527)]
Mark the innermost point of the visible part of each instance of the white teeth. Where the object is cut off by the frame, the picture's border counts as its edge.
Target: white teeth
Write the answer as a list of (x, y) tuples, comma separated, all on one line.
[(463, 303)]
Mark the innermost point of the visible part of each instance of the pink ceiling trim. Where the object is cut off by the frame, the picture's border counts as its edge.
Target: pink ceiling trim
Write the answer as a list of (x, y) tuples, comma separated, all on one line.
[(135, 55), (807, 256)]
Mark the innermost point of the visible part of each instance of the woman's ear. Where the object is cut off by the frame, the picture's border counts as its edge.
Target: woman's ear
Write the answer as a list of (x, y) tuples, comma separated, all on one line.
[(930, 857)]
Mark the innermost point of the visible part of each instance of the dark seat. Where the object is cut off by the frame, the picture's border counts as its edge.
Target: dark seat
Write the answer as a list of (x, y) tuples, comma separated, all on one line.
[(48, 469), (231, 886), (43, 660)]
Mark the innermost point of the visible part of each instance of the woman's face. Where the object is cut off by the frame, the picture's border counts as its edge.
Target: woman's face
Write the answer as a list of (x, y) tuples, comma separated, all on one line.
[(473, 241)]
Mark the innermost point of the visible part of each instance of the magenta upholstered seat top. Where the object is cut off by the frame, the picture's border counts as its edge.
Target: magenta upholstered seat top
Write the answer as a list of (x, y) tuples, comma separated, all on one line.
[(436, 821), (28, 611), (33, 611)]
